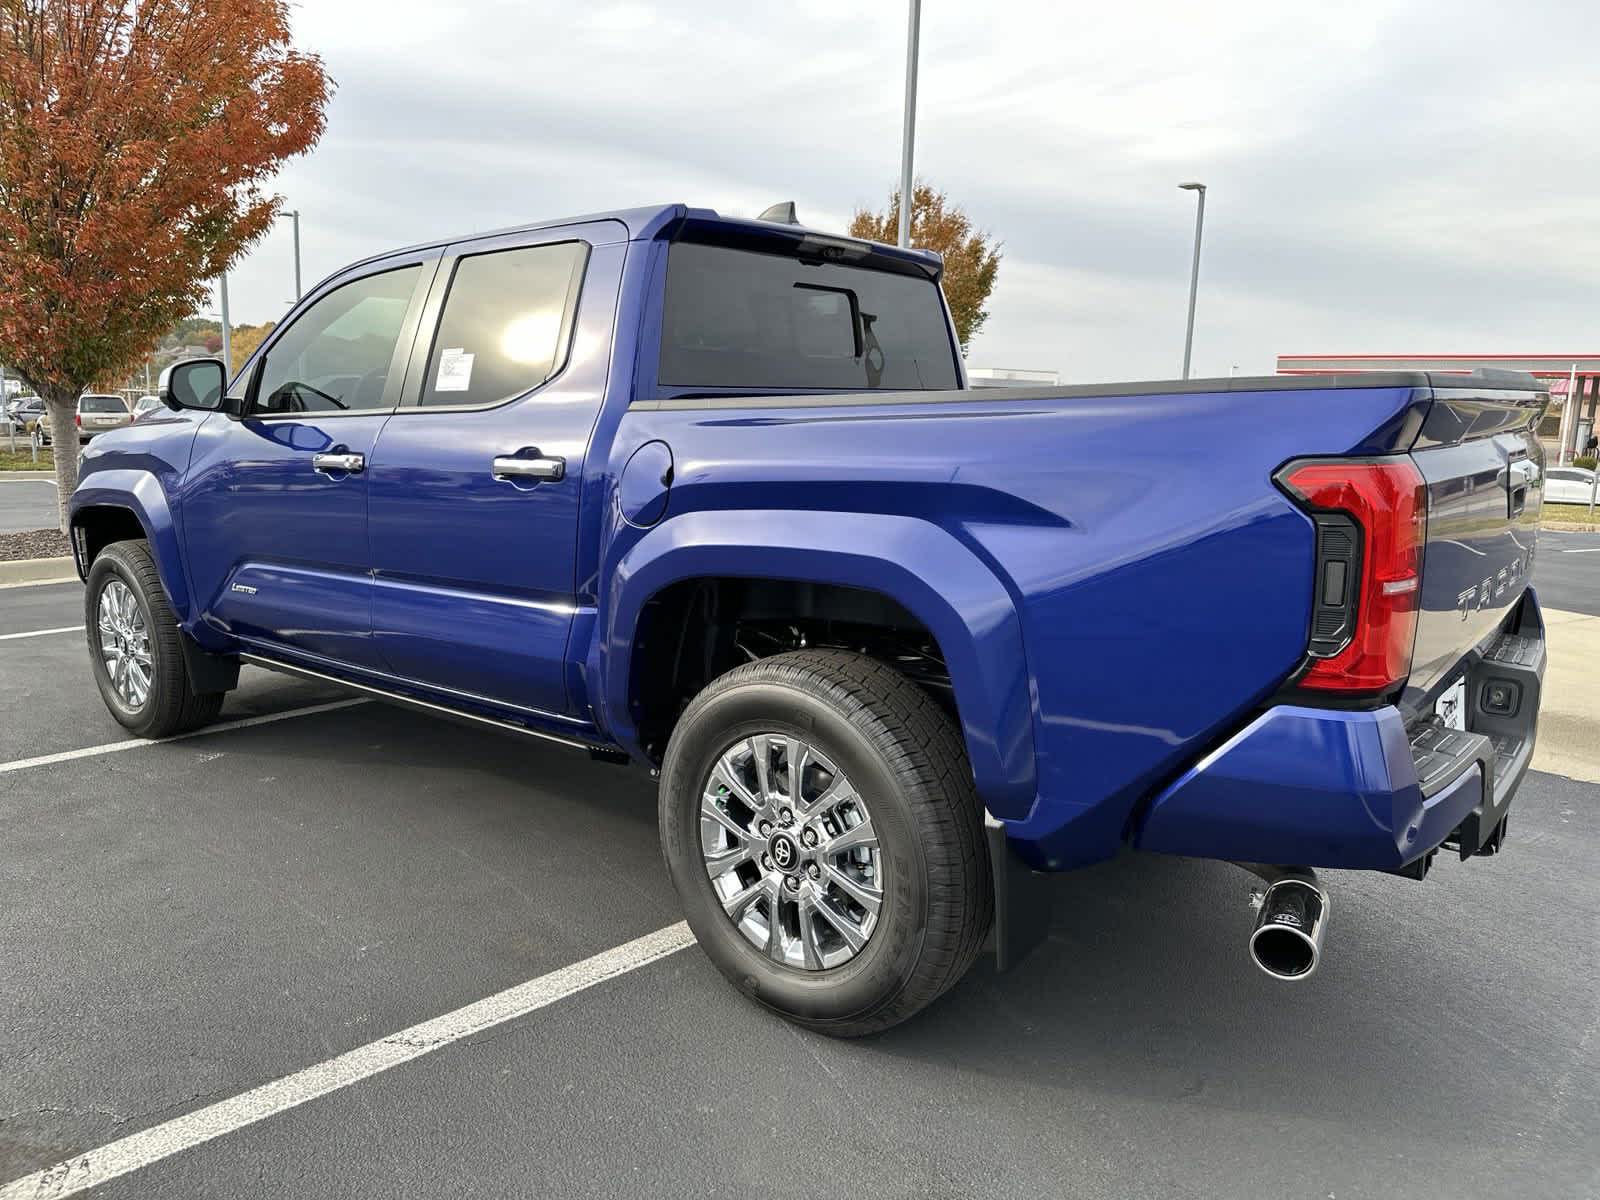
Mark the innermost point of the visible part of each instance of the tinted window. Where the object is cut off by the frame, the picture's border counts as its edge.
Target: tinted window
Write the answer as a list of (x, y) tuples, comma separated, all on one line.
[(336, 355), (504, 324), (101, 404), (738, 319)]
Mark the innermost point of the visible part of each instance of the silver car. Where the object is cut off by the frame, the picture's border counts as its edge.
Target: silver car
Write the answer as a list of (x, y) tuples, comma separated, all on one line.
[(97, 412)]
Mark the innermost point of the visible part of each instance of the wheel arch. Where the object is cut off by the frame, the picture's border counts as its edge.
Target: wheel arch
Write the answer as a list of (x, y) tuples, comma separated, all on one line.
[(112, 506), (910, 563)]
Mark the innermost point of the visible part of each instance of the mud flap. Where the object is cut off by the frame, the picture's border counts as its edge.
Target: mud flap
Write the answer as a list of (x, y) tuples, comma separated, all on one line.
[(208, 672), (1022, 900)]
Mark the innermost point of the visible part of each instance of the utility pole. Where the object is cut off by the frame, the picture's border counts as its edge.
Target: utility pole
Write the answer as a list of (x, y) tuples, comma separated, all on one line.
[(296, 216), (227, 331), (1194, 273), (909, 136)]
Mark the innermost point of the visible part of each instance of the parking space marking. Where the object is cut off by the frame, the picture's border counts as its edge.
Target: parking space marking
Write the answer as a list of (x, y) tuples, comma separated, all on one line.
[(7, 637), (118, 1158), (45, 760)]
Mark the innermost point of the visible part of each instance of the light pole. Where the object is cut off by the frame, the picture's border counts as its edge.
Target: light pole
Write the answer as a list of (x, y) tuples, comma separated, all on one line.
[(909, 136), (1194, 273), (227, 331), (295, 217)]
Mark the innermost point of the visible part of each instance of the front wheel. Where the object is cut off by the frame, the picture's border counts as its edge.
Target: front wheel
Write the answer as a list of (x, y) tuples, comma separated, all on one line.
[(134, 646), (820, 824)]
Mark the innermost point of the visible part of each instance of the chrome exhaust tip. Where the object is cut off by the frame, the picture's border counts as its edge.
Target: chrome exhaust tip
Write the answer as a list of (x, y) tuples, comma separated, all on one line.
[(1287, 940)]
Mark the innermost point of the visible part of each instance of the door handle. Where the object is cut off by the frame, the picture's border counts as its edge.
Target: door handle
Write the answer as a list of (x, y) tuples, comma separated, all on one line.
[(350, 464), (538, 468)]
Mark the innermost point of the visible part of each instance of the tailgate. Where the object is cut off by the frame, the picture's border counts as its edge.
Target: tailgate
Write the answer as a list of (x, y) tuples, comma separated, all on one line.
[(1484, 469)]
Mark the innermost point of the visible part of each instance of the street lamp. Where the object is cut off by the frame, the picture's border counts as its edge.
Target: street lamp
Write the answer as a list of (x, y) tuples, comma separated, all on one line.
[(295, 217), (1194, 273), (227, 328), (910, 133), (227, 325)]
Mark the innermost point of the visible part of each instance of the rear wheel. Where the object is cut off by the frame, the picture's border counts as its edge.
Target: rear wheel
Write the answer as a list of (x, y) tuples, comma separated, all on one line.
[(135, 647), (820, 823)]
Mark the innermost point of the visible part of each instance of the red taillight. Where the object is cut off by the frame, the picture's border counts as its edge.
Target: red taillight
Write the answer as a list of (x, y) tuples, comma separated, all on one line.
[(1387, 499), (77, 419)]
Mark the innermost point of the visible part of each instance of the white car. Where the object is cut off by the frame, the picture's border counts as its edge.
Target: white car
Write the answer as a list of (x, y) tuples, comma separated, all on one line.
[(145, 405), (1568, 485)]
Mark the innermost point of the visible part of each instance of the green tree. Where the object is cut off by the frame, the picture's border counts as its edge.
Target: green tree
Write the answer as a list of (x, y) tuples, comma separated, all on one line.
[(136, 139), (971, 258)]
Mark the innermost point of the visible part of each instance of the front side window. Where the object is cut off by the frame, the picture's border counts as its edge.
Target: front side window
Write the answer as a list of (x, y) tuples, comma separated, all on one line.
[(504, 327), (336, 356)]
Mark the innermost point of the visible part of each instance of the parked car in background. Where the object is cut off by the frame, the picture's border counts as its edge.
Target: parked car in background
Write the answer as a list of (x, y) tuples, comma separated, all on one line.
[(97, 413), (1568, 485), (145, 405), (23, 412)]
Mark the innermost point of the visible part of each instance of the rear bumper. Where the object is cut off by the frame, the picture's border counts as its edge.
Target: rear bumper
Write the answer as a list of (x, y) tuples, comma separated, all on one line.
[(1321, 788)]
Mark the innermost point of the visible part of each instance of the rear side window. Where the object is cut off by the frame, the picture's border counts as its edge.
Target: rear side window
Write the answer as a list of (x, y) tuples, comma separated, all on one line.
[(739, 319), (102, 404), (505, 324)]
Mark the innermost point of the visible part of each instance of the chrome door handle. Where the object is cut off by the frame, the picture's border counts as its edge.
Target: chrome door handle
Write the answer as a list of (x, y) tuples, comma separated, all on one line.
[(549, 470), (350, 464)]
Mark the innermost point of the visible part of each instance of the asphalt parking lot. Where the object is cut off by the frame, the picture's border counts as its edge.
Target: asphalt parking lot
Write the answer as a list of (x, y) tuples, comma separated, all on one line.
[(26, 504), (183, 922)]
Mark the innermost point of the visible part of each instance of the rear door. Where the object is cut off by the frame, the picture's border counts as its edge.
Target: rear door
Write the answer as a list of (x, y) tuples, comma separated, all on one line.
[(1484, 468), (275, 505), (477, 479)]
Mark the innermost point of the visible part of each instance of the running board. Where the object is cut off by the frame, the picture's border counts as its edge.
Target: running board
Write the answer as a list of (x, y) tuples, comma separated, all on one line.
[(461, 716)]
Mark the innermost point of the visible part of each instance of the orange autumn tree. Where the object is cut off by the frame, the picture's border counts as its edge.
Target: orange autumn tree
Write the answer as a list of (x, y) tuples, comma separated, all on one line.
[(971, 258), (136, 141)]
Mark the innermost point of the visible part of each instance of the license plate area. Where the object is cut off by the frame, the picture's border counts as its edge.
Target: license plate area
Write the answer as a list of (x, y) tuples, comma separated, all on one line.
[(1451, 707)]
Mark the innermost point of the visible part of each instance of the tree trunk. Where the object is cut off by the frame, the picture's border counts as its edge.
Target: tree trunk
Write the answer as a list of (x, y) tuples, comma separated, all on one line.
[(63, 409)]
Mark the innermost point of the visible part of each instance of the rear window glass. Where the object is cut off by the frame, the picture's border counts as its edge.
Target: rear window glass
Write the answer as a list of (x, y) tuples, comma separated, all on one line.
[(102, 404), (738, 319)]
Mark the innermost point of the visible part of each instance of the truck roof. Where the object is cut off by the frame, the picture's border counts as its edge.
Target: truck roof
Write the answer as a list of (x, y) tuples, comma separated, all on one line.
[(656, 220)]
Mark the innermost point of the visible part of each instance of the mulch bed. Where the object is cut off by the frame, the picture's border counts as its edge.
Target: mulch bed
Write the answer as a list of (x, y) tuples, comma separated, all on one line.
[(33, 543)]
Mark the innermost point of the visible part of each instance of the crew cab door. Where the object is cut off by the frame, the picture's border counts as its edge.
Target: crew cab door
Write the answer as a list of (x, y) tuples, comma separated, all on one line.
[(477, 478), (275, 504)]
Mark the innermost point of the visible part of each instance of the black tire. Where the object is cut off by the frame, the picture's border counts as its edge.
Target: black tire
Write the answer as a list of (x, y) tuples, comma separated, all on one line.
[(172, 706), (904, 756)]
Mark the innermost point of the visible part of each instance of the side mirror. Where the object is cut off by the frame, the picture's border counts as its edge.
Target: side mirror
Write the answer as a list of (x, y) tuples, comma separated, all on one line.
[(196, 383)]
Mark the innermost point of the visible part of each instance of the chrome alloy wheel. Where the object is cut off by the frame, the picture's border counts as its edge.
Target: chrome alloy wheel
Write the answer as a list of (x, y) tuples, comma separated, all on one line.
[(791, 852), (124, 643)]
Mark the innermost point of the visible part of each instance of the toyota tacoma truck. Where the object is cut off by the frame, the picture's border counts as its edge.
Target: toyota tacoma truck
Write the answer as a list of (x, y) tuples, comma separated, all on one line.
[(710, 495)]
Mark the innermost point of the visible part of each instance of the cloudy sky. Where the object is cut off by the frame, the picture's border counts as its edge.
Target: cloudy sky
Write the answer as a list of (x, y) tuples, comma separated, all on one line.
[(1384, 177)]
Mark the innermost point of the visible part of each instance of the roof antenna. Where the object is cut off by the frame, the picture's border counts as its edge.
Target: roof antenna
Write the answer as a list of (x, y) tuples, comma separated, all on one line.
[(783, 214)]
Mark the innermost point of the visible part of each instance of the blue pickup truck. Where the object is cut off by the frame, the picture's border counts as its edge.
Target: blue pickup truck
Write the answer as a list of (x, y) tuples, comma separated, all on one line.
[(710, 495)]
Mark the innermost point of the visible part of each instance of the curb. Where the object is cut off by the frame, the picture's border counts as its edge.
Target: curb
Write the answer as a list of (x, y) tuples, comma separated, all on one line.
[(1570, 526), (23, 571), (28, 476)]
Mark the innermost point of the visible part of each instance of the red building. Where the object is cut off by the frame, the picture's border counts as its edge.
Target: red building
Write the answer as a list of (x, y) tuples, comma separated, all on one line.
[(1567, 426)]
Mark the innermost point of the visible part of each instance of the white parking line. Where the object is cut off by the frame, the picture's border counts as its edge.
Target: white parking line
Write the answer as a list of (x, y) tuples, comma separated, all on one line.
[(95, 1167), (8, 637), (1585, 550), (45, 760)]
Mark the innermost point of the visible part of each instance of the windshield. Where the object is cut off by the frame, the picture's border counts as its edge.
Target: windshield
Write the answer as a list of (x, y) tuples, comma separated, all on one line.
[(739, 319)]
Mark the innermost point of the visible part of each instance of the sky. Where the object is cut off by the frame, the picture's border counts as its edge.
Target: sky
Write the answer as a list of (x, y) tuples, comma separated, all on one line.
[(1383, 177)]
